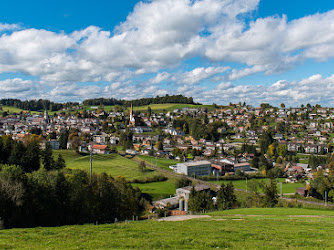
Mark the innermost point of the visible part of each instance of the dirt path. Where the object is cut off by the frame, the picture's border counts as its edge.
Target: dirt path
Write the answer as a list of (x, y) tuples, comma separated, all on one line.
[(183, 217)]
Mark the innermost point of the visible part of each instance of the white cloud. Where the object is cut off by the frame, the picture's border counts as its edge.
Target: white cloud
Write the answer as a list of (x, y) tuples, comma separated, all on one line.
[(237, 74), (160, 77), (314, 89), (199, 74), (8, 27), (159, 36)]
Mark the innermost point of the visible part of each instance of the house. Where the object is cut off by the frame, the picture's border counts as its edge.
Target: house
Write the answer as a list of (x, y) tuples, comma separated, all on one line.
[(242, 167), (114, 140), (222, 168), (54, 144), (100, 139), (83, 148), (172, 202), (131, 152), (100, 149), (184, 193)]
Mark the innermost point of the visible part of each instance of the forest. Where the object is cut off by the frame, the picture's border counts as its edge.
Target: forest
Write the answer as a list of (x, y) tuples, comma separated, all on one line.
[(37, 190), (36, 105), (140, 102), (64, 197)]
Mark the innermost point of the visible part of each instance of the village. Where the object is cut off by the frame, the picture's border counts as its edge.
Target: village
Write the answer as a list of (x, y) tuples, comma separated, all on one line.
[(296, 133)]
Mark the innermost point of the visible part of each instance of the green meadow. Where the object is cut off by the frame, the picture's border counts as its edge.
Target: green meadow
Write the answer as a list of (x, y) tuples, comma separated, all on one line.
[(158, 107), (288, 188), (161, 163), (117, 165), (277, 211), (112, 164), (158, 190), (10, 109), (278, 229)]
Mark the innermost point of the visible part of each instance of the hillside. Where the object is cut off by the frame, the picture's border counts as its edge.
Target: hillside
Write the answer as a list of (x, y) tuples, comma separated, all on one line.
[(278, 229), (117, 165), (156, 107)]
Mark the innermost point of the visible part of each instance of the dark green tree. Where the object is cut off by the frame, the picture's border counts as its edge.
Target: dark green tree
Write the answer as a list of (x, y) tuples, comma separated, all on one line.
[(47, 158), (226, 198), (270, 193), (60, 163)]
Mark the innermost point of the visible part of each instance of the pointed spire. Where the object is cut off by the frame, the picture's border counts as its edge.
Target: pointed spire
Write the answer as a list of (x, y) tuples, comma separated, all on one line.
[(132, 120)]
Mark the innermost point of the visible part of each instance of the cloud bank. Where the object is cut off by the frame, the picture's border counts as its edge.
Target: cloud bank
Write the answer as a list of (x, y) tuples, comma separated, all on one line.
[(146, 54)]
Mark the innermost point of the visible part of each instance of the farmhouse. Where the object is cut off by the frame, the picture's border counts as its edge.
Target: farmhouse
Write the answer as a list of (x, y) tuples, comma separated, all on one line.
[(100, 149)]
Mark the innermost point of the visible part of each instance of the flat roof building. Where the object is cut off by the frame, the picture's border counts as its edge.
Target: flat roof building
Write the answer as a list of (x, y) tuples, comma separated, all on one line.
[(196, 168)]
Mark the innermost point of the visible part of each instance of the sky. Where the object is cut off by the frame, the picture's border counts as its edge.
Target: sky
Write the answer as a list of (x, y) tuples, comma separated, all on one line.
[(216, 51)]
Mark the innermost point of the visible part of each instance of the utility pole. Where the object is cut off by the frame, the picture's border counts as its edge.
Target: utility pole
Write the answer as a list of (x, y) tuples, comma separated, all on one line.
[(325, 198), (91, 162), (246, 185)]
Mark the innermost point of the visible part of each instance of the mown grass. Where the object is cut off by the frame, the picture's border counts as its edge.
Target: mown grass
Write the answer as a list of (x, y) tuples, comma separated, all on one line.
[(117, 165), (112, 164), (158, 190), (162, 163), (253, 232), (288, 188), (275, 211)]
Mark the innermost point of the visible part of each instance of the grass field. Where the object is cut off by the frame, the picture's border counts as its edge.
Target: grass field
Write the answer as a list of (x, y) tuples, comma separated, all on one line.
[(306, 229), (288, 188), (162, 163), (112, 164), (275, 211), (10, 109), (159, 107), (158, 190), (117, 165)]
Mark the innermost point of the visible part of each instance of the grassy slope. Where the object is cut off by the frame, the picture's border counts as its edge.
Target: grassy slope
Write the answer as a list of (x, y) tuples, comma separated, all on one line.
[(265, 232), (112, 164), (158, 107), (162, 163), (158, 190), (287, 187), (117, 165), (275, 211), (10, 109)]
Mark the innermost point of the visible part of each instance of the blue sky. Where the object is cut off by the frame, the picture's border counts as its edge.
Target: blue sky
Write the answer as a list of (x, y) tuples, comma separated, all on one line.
[(217, 51)]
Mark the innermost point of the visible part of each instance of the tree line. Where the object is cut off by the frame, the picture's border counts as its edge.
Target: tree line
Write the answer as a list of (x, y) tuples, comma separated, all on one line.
[(37, 190), (139, 102), (36, 105), (28, 155), (64, 197), (201, 201)]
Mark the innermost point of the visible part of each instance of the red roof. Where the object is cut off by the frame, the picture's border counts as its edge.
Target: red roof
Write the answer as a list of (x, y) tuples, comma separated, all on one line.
[(95, 146)]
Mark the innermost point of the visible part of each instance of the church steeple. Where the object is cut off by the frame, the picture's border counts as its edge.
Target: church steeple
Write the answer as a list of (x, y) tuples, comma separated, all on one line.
[(132, 120)]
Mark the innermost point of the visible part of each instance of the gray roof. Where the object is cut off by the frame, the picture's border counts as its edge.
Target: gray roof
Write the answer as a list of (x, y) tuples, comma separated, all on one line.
[(197, 163), (198, 187)]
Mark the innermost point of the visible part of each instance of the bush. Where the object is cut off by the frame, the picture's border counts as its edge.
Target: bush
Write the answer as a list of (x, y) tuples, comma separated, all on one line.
[(156, 178)]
